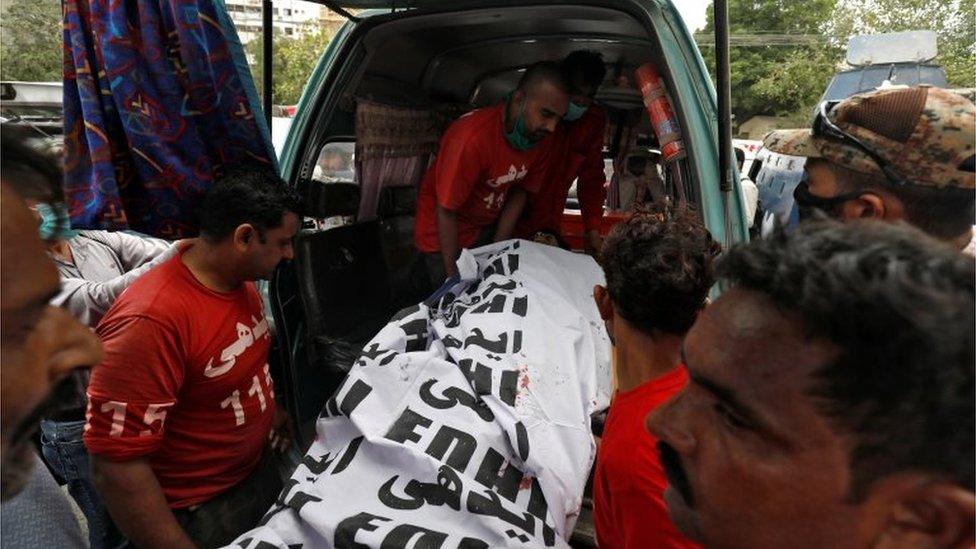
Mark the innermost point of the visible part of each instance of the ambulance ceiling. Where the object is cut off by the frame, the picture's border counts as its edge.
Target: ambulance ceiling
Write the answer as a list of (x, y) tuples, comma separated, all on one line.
[(478, 55)]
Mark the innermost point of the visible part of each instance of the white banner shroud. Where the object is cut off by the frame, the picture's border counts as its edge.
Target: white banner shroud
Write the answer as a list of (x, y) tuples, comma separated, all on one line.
[(465, 424)]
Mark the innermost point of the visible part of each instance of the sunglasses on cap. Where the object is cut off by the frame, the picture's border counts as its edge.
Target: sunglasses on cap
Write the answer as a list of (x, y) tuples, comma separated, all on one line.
[(824, 127)]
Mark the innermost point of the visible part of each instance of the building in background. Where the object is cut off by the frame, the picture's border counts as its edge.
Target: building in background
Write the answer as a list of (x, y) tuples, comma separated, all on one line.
[(290, 17), (331, 21)]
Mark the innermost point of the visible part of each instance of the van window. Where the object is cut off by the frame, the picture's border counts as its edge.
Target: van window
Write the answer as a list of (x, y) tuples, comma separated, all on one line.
[(336, 162)]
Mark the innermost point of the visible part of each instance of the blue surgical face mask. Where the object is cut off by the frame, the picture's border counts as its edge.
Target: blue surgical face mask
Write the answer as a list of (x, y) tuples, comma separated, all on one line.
[(54, 223), (574, 112), (517, 138)]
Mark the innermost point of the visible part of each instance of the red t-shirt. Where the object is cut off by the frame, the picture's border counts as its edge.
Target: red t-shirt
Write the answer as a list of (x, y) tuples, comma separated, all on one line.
[(184, 380), (474, 169), (629, 482), (577, 153)]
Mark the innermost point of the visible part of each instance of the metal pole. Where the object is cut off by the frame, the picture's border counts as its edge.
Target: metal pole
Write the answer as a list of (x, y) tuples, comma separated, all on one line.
[(267, 39), (724, 91)]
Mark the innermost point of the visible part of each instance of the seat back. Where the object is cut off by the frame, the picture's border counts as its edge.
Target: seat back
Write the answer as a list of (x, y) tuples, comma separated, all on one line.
[(323, 200), (344, 288), (343, 278), (396, 209)]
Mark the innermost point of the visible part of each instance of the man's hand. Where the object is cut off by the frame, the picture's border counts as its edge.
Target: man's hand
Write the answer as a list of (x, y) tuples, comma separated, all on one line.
[(447, 235), (514, 204), (282, 434), (593, 242)]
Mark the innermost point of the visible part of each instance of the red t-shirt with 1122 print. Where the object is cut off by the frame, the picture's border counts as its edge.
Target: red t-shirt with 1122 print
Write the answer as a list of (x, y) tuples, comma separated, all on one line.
[(184, 382), (472, 174)]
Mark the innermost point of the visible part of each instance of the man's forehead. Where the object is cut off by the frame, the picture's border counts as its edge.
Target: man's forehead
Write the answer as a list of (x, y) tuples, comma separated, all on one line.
[(546, 92), (290, 223), (28, 276), (744, 341)]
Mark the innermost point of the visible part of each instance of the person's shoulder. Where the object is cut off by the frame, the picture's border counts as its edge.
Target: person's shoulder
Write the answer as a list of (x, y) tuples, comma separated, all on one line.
[(102, 239), (158, 293), (594, 120), (95, 234), (252, 291), (474, 123)]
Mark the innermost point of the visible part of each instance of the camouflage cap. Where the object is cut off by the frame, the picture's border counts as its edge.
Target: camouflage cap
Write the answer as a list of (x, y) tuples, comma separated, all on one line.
[(926, 133)]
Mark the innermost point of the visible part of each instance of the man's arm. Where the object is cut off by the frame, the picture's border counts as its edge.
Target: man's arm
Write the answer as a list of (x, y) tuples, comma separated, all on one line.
[(136, 502), (591, 185), (89, 300), (131, 250), (514, 204), (131, 391), (457, 170), (447, 234)]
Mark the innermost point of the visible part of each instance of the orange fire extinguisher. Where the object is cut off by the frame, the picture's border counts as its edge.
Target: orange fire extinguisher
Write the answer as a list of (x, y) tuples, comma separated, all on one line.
[(658, 107)]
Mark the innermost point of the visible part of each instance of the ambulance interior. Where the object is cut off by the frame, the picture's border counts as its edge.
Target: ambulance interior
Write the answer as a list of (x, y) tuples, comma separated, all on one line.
[(376, 125)]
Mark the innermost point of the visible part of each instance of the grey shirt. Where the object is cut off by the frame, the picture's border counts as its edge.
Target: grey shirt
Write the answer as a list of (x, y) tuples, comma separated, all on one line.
[(105, 264)]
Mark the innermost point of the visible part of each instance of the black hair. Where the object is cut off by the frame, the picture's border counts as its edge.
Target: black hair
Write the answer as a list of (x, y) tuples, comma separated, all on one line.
[(899, 307), (30, 170), (659, 269), (584, 68), (943, 213), (254, 195), (544, 71)]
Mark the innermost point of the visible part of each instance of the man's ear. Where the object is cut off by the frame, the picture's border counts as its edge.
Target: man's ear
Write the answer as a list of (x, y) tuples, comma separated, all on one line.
[(930, 514), (605, 305), (869, 206), (244, 234), (603, 302)]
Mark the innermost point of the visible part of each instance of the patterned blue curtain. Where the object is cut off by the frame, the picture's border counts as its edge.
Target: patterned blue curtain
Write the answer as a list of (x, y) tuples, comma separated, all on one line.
[(158, 100)]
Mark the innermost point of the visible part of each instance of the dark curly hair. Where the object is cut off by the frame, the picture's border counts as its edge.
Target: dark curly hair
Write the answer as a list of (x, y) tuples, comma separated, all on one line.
[(659, 269), (254, 195), (900, 307), (584, 68)]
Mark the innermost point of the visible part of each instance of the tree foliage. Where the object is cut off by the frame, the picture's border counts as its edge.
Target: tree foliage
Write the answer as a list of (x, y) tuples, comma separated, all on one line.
[(787, 81), (776, 80), (30, 41), (294, 58)]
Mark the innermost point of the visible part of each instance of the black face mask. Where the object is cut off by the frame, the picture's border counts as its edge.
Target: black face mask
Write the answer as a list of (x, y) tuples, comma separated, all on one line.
[(811, 206)]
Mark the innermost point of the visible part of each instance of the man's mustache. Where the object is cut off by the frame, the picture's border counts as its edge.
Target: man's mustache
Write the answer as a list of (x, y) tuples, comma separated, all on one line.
[(675, 472)]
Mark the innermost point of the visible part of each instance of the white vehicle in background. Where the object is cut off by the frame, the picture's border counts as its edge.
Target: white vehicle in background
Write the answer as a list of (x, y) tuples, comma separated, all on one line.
[(36, 105), (279, 132)]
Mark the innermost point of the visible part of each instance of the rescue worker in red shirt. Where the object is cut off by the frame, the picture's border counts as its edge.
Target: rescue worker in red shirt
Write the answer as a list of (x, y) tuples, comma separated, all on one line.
[(658, 271), (488, 161), (577, 155), (181, 407)]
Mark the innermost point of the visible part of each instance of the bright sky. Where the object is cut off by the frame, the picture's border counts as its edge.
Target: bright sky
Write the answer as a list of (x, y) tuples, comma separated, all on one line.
[(693, 12)]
